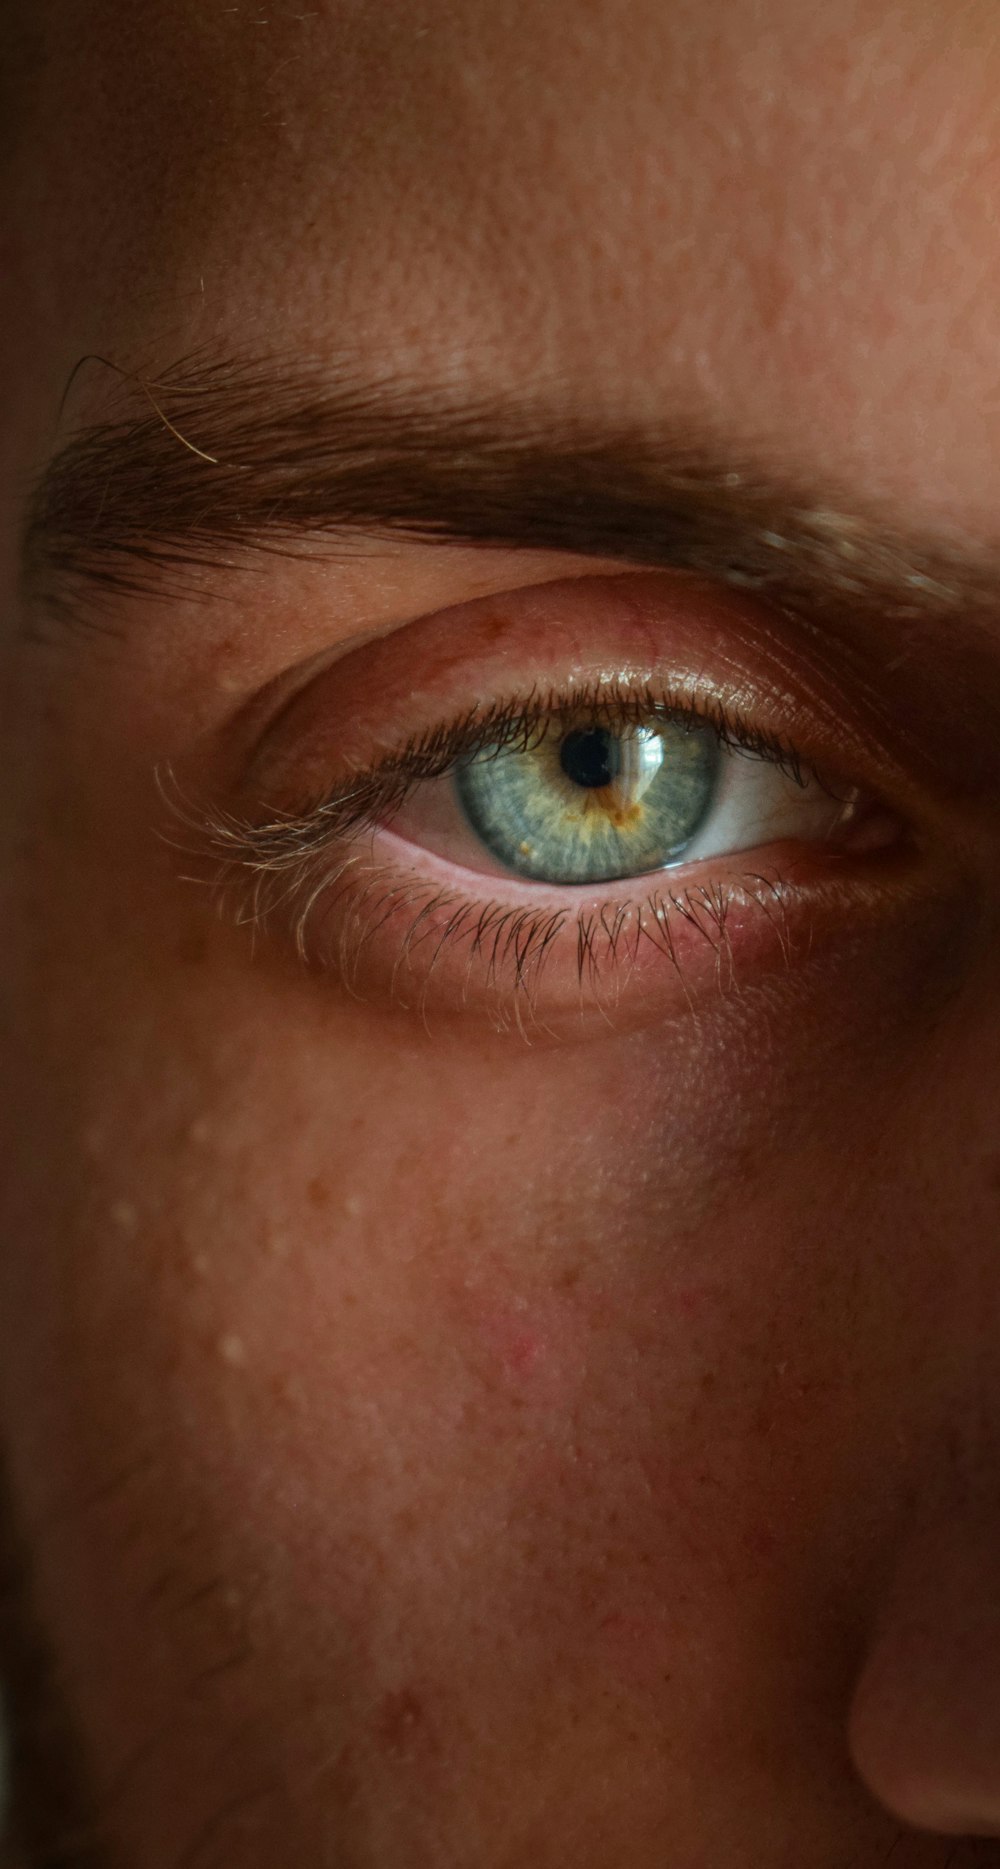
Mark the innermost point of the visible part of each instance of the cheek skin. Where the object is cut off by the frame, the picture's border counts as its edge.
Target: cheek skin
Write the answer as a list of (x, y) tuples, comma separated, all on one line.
[(419, 1433), (403, 1422)]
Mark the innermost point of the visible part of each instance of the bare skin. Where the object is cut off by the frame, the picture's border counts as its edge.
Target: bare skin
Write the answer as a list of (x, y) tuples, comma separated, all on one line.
[(435, 1434)]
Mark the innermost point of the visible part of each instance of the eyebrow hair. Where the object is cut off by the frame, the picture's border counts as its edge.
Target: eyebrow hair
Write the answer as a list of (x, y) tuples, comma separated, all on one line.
[(216, 460)]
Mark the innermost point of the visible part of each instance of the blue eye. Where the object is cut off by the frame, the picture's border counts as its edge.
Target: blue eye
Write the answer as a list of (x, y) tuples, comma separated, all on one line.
[(591, 794), (593, 803)]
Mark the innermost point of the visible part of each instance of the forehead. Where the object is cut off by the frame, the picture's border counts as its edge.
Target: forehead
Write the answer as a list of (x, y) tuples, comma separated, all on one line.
[(771, 214)]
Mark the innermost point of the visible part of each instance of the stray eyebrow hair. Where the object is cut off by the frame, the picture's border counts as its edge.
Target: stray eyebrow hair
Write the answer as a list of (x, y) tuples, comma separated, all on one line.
[(214, 459)]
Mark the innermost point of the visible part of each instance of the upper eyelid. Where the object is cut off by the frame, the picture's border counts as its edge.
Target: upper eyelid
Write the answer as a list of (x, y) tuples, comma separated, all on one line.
[(403, 773), (824, 722)]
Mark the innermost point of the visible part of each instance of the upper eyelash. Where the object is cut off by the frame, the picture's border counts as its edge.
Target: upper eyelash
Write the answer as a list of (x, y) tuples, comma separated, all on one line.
[(276, 860), (520, 726), (260, 865), (372, 796)]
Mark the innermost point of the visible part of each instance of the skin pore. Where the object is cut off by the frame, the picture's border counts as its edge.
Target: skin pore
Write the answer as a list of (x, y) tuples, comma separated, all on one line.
[(443, 1424)]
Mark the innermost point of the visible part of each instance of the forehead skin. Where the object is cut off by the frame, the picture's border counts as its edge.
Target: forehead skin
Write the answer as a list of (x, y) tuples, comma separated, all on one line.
[(699, 206), (779, 215)]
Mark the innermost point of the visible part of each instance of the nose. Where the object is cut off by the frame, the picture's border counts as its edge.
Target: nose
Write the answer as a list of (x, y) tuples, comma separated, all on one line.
[(924, 1725)]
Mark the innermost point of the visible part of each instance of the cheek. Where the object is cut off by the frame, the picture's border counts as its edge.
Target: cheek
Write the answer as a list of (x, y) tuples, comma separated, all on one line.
[(462, 1390)]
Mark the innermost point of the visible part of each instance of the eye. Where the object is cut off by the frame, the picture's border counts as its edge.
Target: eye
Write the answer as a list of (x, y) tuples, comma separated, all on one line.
[(599, 795), (592, 804), (576, 805)]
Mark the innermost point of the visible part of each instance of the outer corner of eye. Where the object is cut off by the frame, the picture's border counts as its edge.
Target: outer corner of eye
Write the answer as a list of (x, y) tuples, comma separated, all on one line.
[(868, 826)]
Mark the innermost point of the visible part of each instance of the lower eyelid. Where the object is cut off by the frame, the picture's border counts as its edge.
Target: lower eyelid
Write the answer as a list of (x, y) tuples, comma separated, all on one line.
[(438, 941), (788, 862)]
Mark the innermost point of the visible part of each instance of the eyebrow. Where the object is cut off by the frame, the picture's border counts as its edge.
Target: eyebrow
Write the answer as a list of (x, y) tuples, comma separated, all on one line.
[(215, 459)]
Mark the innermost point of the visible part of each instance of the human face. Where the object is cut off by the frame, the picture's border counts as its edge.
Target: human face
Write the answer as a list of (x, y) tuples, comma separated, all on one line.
[(496, 1368)]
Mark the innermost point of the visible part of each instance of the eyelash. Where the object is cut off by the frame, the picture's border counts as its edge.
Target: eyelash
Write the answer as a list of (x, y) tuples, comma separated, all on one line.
[(279, 863), (374, 794)]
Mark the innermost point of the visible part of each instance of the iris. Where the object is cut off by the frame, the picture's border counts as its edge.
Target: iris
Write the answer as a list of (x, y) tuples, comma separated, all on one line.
[(589, 802)]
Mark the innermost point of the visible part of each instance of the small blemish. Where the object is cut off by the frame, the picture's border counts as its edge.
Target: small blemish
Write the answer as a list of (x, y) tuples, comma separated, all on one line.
[(352, 1206), (125, 1216), (318, 1191), (398, 1720), (233, 1350)]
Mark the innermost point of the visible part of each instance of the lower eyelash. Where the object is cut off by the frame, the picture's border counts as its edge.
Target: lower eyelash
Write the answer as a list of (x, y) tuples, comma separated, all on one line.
[(321, 871), (513, 945), (335, 895), (337, 913), (283, 845)]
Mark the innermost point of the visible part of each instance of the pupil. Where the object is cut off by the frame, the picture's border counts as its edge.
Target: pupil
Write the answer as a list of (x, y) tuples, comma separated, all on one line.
[(589, 757)]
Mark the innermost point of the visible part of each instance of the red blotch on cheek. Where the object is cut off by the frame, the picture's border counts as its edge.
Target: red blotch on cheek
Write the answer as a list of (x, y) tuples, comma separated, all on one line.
[(519, 1349), (528, 1346)]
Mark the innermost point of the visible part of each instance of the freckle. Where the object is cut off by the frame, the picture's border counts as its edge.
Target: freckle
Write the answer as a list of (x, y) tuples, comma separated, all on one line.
[(125, 1216), (233, 1350), (494, 627), (317, 1191)]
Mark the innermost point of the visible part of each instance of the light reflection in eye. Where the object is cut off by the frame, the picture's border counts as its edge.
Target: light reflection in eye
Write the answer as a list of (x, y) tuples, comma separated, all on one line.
[(605, 791), (592, 803)]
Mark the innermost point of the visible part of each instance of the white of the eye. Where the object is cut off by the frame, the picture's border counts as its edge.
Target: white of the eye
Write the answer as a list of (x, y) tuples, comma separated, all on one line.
[(756, 803)]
